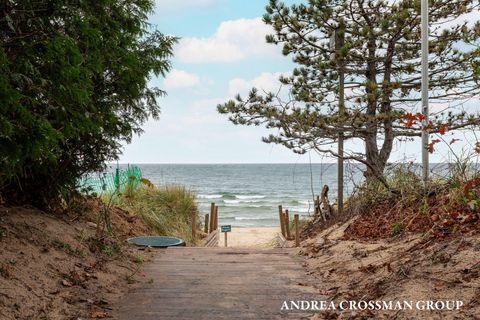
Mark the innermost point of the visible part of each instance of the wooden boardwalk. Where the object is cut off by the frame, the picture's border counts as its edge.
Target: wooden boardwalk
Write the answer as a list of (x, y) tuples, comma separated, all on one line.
[(219, 283)]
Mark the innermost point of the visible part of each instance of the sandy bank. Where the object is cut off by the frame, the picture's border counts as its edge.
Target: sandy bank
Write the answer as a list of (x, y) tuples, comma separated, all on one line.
[(406, 268), (261, 237), (53, 267)]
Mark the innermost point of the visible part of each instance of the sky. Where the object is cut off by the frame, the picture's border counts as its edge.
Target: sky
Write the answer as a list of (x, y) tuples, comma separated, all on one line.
[(222, 52)]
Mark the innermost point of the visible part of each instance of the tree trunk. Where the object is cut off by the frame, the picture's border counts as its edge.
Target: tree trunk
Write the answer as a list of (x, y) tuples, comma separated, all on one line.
[(376, 160), (375, 165), (375, 168)]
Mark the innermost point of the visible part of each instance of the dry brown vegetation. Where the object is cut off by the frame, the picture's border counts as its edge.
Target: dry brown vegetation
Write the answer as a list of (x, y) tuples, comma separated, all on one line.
[(405, 268), (409, 244), (450, 207), (58, 267)]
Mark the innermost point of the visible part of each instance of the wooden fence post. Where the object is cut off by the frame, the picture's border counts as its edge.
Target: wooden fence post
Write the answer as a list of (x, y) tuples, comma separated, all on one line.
[(297, 233), (216, 218), (287, 225), (194, 225), (206, 223), (280, 216), (212, 215)]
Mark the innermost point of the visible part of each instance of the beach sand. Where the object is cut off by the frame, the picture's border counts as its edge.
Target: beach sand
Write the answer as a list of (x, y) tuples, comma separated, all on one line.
[(262, 237)]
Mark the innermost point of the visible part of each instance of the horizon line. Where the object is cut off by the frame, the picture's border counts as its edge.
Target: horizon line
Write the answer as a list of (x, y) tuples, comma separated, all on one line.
[(218, 162), (210, 163)]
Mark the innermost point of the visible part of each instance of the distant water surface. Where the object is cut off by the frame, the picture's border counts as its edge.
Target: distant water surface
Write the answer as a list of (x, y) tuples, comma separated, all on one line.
[(248, 195)]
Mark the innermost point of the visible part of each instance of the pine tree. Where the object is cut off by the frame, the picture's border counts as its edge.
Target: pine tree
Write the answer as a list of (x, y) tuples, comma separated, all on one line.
[(380, 55)]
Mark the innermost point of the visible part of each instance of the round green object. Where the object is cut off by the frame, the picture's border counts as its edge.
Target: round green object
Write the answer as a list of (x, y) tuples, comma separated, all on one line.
[(156, 241)]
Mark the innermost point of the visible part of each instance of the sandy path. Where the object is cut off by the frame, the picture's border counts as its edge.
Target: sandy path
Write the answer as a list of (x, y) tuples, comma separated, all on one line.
[(262, 237)]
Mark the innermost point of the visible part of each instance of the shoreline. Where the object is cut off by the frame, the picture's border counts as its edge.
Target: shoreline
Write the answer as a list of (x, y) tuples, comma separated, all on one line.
[(250, 237)]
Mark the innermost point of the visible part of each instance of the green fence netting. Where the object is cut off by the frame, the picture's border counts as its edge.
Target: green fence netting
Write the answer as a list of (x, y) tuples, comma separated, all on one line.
[(112, 182)]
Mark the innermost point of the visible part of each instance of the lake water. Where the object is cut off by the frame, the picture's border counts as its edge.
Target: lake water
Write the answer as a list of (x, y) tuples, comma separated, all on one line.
[(248, 195)]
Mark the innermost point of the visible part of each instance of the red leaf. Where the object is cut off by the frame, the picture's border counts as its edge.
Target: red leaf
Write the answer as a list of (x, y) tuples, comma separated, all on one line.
[(428, 127), (408, 116), (431, 144), (443, 128), (409, 123), (420, 116), (430, 147)]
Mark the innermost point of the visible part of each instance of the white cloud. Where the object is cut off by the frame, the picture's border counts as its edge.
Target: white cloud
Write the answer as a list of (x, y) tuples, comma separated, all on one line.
[(211, 103), (266, 81), (167, 6), (234, 40), (470, 18), (180, 79)]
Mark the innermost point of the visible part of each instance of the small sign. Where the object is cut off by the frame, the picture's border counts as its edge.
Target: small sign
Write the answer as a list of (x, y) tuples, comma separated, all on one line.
[(226, 228)]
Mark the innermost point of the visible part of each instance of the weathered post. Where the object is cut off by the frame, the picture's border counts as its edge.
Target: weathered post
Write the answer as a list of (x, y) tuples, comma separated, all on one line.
[(287, 225), (194, 225), (206, 223), (280, 216), (212, 215), (216, 218), (297, 232)]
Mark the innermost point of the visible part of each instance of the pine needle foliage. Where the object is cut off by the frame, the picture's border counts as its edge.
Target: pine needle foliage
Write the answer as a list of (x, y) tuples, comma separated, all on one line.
[(376, 45)]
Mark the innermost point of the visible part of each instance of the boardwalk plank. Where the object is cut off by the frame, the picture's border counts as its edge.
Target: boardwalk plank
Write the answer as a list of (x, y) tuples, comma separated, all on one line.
[(219, 283)]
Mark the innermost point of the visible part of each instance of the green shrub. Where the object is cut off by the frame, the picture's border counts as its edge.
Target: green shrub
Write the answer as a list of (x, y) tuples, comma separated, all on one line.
[(397, 228), (73, 85)]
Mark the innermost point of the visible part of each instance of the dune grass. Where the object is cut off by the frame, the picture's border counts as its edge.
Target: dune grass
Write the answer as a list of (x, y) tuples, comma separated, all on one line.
[(406, 185), (448, 205), (167, 209)]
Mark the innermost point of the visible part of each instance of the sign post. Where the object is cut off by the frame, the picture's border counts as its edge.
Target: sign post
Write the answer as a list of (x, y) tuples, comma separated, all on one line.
[(226, 229)]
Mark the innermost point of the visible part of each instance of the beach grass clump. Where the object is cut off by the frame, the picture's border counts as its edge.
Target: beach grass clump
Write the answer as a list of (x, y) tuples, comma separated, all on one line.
[(404, 186), (168, 210)]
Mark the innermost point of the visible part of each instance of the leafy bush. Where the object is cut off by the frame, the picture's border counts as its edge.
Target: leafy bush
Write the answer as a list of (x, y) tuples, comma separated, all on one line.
[(73, 85)]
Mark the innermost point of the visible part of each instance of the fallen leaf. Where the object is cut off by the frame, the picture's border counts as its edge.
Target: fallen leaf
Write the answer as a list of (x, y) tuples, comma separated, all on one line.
[(66, 283), (101, 302), (98, 314), (448, 222), (332, 291)]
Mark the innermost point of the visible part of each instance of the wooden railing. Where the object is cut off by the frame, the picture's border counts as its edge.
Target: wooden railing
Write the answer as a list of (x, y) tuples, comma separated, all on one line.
[(285, 227), (210, 227), (212, 239)]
